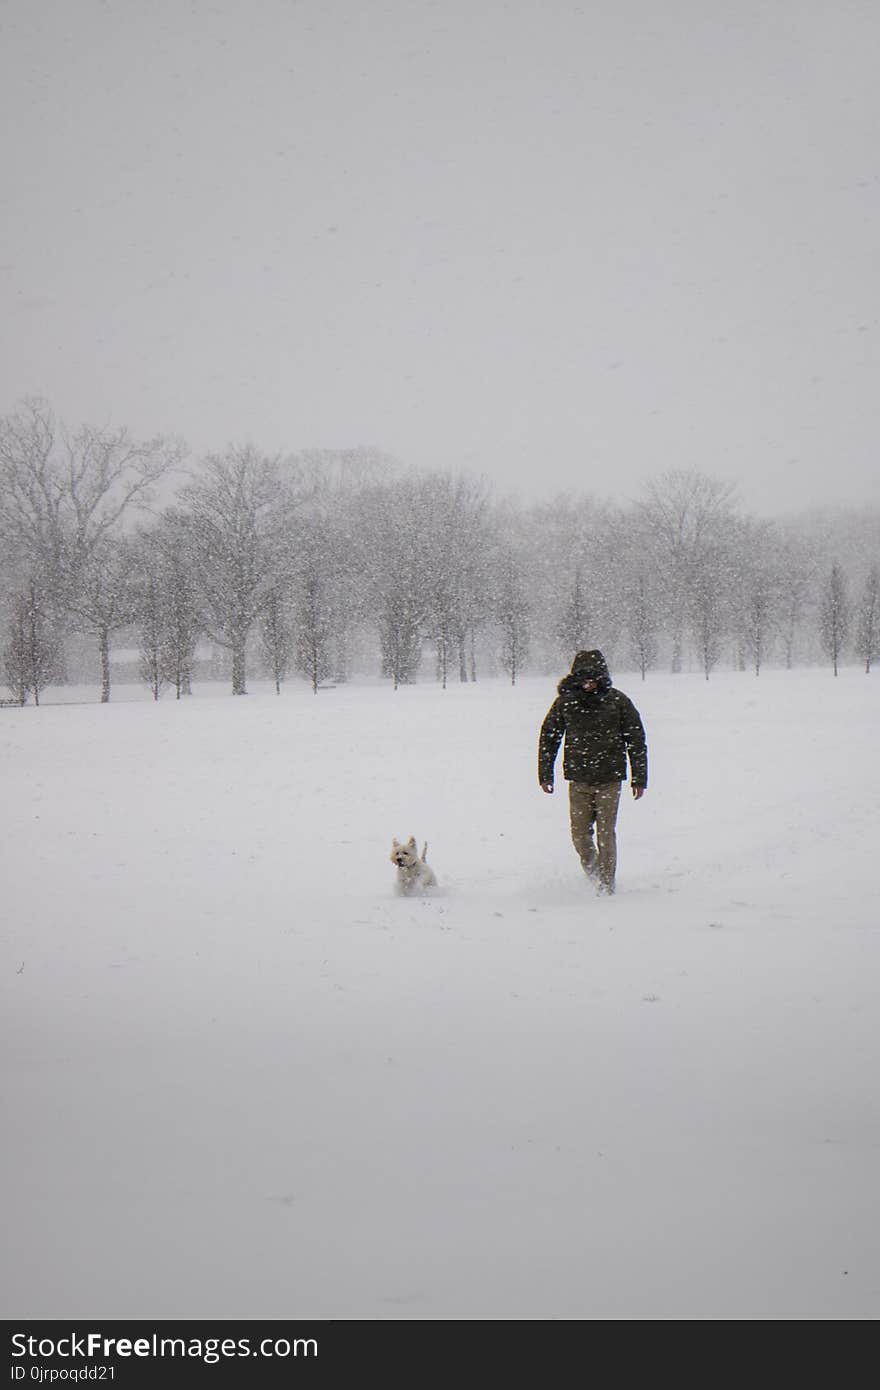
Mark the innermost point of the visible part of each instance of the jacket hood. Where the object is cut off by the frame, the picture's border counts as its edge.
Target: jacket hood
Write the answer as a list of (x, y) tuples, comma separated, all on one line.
[(587, 666), (590, 666)]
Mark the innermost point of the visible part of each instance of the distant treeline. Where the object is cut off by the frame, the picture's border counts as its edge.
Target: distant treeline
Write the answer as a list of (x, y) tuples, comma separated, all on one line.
[(330, 563)]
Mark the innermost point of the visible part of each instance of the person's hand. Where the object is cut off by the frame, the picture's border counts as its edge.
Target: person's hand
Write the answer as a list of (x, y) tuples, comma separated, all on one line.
[(638, 792), (547, 787)]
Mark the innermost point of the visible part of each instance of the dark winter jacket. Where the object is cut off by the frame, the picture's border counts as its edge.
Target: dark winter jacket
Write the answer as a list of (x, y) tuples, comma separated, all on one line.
[(600, 728)]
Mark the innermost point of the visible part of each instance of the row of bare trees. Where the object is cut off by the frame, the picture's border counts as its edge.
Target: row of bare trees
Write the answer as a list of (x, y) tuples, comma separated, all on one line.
[(683, 573), (296, 553), (291, 561)]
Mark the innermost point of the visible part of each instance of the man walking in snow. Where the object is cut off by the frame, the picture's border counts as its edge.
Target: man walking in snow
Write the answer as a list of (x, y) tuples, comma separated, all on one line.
[(601, 726)]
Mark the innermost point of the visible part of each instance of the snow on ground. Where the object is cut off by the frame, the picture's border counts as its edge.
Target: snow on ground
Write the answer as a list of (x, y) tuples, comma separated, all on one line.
[(246, 1080)]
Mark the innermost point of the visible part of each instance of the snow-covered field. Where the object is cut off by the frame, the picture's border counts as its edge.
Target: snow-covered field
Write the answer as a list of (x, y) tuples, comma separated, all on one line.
[(243, 1079)]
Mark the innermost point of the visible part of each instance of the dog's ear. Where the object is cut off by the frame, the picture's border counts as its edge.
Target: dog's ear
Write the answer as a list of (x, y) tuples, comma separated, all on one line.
[(411, 842), (395, 844)]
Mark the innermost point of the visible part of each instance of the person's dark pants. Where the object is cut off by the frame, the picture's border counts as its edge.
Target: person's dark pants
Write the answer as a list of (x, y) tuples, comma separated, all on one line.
[(589, 807)]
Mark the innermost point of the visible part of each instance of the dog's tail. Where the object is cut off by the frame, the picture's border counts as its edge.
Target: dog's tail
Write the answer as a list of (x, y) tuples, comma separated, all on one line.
[(425, 852)]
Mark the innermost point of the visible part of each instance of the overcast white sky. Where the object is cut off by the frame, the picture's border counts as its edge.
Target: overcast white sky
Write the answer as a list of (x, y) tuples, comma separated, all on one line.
[(565, 243)]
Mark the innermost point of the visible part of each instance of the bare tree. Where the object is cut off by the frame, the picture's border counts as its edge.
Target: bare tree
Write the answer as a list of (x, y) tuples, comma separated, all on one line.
[(684, 518), (454, 542), (574, 622), (151, 631), (184, 622), (16, 655), (314, 629), (400, 624), (573, 549), (325, 587), (834, 615), (707, 595), (276, 636), (755, 589), (395, 561), (795, 580), (239, 522), (30, 658), (475, 524), (333, 590), (106, 598), (512, 613), (169, 619), (64, 494), (868, 619), (642, 623)]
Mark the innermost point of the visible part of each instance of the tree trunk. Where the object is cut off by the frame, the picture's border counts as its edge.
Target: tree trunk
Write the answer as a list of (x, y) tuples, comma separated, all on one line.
[(34, 655), (104, 643), (462, 659), (677, 645), (238, 668)]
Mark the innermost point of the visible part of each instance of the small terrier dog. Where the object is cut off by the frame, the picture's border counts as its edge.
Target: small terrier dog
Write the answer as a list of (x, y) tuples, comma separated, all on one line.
[(414, 875)]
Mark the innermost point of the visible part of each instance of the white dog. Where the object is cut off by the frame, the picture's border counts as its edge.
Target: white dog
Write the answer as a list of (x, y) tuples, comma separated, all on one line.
[(414, 875)]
